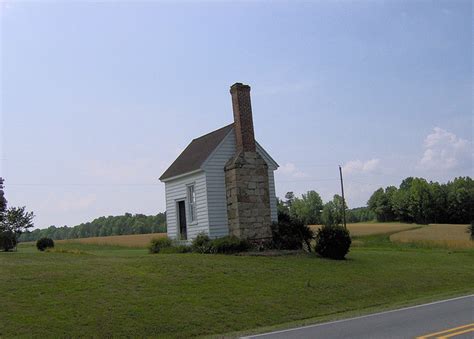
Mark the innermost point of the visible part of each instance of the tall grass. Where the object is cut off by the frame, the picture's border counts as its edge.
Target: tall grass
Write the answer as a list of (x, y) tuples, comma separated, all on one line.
[(362, 229), (440, 235), (132, 240)]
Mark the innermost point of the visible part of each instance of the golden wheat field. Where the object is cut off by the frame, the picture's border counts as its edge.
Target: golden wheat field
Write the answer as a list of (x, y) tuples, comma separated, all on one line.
[(132, 240), (446, 235), (360, 229)]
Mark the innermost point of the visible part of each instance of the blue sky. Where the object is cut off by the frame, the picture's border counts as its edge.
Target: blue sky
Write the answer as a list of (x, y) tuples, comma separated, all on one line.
[(97, 99)]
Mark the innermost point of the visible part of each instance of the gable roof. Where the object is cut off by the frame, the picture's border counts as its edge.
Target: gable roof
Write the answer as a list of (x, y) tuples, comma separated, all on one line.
[(196, 153)]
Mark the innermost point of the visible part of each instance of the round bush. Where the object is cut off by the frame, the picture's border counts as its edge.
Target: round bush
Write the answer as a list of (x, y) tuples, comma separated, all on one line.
[(290, 233), (157, 244), (7, 240), (332, 242), (44, 243), (229, 245), (201, 244)]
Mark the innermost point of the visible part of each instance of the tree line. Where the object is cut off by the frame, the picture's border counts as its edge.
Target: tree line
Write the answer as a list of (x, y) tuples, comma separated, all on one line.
[(311, 210), (420, 201), (102, 227), (415, 200)]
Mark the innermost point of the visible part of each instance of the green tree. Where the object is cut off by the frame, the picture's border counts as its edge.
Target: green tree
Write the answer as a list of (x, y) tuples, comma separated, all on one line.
[(329, 214), (3, 201), (16, 221), (332, 212), (308, 208), (420, 201), (282, 207), (439, 194), (359, 214), (290, 197), (460, 200), (381, 203), (417, 200)]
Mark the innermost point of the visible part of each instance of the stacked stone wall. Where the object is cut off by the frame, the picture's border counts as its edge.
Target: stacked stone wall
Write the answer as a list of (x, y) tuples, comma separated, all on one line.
[(248, 196)]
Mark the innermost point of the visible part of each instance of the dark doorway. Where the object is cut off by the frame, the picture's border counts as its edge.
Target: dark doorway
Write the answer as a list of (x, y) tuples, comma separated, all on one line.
[(183, 232)]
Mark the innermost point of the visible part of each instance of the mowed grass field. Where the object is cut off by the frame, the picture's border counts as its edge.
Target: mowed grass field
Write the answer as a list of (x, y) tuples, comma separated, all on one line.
[(96, 290), (445, 235)]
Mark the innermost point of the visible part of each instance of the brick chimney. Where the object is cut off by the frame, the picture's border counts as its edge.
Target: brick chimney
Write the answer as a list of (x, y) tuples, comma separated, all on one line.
[(245, 138), (246, 176)]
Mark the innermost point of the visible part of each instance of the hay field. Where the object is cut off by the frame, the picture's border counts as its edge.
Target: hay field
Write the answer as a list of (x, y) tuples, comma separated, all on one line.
[(446, 235), (360, 229), (132, 240)]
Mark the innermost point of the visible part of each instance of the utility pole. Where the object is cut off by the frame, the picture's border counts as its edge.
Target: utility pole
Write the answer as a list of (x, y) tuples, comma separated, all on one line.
[(343, 200)]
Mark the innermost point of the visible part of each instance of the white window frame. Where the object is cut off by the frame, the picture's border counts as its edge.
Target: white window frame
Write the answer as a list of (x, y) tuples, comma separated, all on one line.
[(192, 215)]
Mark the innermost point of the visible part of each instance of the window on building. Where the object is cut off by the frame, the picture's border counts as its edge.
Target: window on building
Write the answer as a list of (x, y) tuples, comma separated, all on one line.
[(192, 203)]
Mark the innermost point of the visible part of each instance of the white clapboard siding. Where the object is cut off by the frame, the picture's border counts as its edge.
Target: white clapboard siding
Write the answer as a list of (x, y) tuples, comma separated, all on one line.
[(273, 200), (216, 191), (176, 191)]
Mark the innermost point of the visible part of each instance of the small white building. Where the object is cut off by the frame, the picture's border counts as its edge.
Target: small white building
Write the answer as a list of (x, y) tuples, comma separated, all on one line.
[(198, 193)]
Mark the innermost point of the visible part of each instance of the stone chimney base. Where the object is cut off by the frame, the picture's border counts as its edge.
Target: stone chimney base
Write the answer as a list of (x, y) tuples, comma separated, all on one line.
[(248, 197)]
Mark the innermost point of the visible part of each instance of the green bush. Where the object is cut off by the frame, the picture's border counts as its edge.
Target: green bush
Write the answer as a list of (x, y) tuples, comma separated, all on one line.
[(229, 245), (290, 233), (44, 243), (201, 244), (332, 242), (225, 245), (7, 241), (176, 249), (157, 244)]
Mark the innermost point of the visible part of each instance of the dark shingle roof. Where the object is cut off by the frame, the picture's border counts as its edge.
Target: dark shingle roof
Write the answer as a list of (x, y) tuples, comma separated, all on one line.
[(196, 153)]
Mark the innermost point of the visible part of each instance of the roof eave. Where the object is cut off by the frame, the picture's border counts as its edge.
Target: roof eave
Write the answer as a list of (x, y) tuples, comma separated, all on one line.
[(274, 163), (181, 175)]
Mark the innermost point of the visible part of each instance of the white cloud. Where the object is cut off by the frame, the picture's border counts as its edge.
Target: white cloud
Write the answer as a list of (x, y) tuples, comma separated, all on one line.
[(289, 169), (444, 150), (359, 166)]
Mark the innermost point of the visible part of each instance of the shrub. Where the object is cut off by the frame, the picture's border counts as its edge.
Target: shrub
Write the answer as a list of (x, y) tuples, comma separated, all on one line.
[(176, 249), (332, 242), (44, 243), (229, 245), (290, 233), (7, 240), (157, 244), (201, 244)]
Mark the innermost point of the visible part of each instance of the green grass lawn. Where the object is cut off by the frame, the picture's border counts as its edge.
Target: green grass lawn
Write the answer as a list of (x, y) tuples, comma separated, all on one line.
[(114, 291)]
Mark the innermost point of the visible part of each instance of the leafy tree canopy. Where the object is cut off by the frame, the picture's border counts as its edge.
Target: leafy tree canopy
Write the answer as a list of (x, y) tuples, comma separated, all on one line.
[(307, 208), (417, 200)]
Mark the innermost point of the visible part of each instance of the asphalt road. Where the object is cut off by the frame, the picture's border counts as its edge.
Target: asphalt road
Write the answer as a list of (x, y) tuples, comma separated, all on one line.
[(451, 318)]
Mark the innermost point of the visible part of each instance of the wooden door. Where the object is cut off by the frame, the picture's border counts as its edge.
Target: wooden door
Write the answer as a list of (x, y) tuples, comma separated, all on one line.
[(183, 231)]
